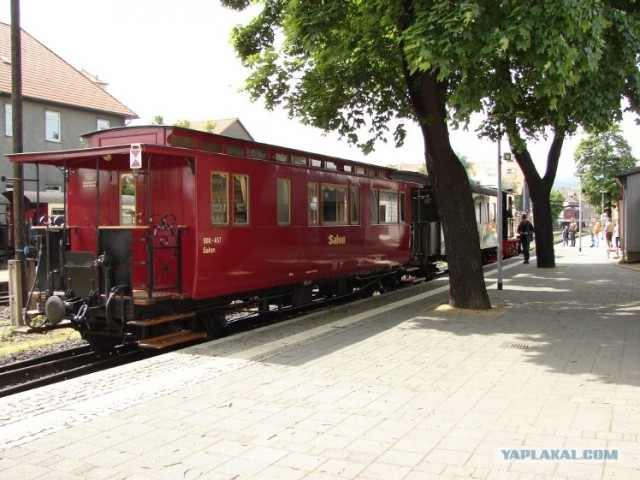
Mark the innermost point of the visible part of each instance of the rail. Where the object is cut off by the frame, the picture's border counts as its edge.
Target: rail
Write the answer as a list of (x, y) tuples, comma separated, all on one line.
[(57, 367)]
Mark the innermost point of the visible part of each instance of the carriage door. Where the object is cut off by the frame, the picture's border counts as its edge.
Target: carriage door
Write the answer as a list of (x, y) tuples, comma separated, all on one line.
[(157, 199)]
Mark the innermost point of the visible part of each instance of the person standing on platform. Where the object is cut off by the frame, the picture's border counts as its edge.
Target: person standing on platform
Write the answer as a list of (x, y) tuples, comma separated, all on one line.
[(597, 228), (525, 230), (565, 236), (573, 229), (608, 232)]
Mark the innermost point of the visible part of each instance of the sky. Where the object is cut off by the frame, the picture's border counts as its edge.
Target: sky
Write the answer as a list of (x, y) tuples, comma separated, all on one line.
[(174, 59)]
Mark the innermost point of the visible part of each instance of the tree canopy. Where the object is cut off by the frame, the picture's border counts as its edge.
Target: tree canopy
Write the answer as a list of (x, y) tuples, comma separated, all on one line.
[(365, 68), (599, 159)]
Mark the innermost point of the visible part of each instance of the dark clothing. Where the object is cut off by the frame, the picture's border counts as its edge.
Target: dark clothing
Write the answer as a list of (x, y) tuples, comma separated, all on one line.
[(525, 230), (573, 228)]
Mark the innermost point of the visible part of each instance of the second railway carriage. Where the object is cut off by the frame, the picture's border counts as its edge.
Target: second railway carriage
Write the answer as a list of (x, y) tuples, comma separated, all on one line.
[(428, 246), (216, 222)]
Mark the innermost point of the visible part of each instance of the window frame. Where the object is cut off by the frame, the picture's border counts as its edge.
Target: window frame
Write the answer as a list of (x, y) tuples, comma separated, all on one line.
[(374, 206), (313, 204), (52, 118), (245, 200), (8, 120), (391, 207), (283, 202), (104, 122), (341, 214), (220, 208), (354, 205)]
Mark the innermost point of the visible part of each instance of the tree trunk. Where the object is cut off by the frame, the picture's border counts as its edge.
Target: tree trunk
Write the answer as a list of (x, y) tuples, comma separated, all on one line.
[(543, 224), (467, 287), (540, 193)]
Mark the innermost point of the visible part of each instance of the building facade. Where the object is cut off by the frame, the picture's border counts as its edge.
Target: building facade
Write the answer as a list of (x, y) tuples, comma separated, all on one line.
[(60, 103)]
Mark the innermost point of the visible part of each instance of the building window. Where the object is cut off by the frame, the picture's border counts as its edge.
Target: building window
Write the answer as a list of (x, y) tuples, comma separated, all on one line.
[(284, 201), (103, 124), (8, 120), (240, 199), (52, 126), (219, 199)]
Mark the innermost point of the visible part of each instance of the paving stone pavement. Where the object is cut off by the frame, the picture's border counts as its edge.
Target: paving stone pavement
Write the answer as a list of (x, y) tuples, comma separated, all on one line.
[(396, 387)]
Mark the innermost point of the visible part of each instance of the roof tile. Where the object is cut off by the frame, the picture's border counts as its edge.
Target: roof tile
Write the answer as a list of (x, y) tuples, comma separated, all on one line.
[(47, 77)]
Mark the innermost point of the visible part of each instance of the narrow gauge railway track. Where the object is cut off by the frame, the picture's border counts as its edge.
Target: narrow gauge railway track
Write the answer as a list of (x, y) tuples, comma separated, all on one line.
[(57, 367), (48, 369)]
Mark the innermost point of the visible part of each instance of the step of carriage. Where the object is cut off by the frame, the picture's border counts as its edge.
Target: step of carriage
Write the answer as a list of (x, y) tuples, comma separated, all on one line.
[(171, 340), (172, 317)]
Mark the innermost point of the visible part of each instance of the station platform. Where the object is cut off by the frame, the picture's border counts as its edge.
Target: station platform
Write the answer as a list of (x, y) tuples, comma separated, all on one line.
[(544, 385)]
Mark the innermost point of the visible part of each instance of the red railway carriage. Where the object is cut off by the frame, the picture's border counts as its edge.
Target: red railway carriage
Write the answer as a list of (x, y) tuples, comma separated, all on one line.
[(216, 222)]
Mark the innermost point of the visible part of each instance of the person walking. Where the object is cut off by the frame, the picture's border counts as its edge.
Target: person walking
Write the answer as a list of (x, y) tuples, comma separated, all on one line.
[(525, 230), (573, 228), (565, 236), (591, 234), (608, 232)]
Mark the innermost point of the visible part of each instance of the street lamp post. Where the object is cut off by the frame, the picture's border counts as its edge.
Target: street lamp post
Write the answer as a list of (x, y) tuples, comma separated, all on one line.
[(580, 214), (500, 220), (602, 222)]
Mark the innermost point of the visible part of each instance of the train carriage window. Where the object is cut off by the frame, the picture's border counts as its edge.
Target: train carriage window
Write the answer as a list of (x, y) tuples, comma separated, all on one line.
[(240, 199), (209, 146), (314, 162), (388, 207), (299, 160), (219, 199), (312, 194), (360, 170), (347, 168), (257, 153), (181, 141), (334, 204), (403, 207), (354, 197), (127, 199), (282, 157), (330, 165), (284, 201), (374, 206), (235, 150)]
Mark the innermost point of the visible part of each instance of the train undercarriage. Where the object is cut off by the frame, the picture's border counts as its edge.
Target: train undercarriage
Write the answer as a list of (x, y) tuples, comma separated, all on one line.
[(101, 300)]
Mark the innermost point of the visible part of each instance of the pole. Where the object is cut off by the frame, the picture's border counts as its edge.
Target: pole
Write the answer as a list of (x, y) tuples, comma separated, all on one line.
[(18, 283), (500, 220), (580, 216), (16, 118)]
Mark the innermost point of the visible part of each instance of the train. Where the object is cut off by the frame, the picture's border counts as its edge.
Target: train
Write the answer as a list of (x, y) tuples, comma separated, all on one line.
[(168, 233)]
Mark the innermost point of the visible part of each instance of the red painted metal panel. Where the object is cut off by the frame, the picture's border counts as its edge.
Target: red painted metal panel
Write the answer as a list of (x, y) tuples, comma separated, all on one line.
[(174, 185)]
